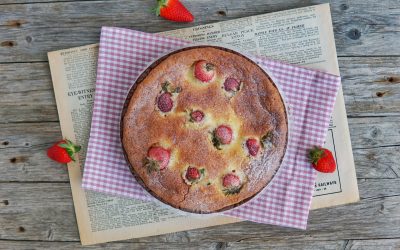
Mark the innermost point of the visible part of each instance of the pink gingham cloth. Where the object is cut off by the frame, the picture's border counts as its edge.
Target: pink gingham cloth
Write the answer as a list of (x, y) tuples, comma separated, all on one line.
[(310, 94)]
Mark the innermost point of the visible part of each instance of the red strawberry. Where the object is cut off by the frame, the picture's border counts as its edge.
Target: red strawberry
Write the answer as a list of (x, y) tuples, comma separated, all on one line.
[(322, 160), (196, 116), (253, 146), (204, 71), (231, 84), (157, 158), (63, 151), (165, 102), (223, 134), (231, 180), (173, 10), (231, 183), (193, 174)]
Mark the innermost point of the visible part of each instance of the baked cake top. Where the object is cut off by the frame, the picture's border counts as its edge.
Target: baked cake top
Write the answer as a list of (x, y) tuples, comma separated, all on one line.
[(204, 129)]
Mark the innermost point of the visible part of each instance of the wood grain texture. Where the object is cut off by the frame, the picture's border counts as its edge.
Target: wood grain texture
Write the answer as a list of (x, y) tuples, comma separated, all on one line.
[(36, 210), (44, 211), (371, 85), (388, 244), (271, 244), (367, 132), (379, 162), (30, 30), (379, 244), (371, 88), (376, 143)]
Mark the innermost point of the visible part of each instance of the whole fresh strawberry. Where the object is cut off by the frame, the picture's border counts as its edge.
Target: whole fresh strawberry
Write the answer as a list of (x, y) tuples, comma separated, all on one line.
[(204, 71), (157, 159), (231, 84), (196, 116), (173, 10), (231, 184), (222, 135), (253, 146), (165, 102), (63, 151), (193, 175), (322, 160)]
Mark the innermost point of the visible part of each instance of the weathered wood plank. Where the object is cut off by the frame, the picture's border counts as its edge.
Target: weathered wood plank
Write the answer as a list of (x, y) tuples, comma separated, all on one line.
[(44, 211), (371, 88), (26, 135), (366, 132), (28, 31), (305, 244), (37, 210), (374, 131), (270, 244), (377, 162), (375, 188), (28, 113), (387, 244), (30, 164), (26, 93), (362, 27), (23, 150)]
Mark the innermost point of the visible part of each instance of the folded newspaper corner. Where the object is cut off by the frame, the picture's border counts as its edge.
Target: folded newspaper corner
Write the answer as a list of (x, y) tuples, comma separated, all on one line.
[(301, 36)]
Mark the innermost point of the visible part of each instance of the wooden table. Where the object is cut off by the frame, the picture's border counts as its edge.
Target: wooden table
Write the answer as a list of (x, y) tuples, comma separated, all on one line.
[(36, 209)]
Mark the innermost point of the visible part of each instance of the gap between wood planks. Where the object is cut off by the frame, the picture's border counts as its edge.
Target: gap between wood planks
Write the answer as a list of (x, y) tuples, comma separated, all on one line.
[(24, 62), (383, 146), (129, 242)]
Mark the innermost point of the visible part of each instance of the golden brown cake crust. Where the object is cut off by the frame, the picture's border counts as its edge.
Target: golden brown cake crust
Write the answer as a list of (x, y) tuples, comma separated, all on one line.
[(257, 109)]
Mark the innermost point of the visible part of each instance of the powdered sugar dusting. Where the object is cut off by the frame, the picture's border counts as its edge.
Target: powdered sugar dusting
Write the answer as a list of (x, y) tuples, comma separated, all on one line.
[(124, 53)]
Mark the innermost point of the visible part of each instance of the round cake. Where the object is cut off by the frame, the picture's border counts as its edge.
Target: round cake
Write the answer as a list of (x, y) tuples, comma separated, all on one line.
[(204, 129)]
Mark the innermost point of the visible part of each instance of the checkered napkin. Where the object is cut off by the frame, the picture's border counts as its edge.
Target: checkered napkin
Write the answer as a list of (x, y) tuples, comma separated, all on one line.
[(310, 95)]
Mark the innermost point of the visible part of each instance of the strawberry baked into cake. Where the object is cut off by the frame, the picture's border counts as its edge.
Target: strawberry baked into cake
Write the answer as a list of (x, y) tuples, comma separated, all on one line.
[(204, 129)]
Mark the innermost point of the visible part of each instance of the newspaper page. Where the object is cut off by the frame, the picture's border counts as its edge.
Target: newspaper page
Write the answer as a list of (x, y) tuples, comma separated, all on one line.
[(304, 37), (100, 217), (301, 36)]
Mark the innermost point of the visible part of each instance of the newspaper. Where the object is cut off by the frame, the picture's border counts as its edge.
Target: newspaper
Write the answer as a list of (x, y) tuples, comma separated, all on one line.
[(304, 37), (301, 36), (101, 217)]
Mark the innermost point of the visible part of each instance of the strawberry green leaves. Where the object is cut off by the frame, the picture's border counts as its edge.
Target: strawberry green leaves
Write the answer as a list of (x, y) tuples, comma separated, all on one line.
[(70, 148), (63, 151), (166, 87)]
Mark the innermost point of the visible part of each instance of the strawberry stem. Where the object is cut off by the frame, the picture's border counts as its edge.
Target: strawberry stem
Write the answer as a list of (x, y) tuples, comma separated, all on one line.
[(232, 191), (215, 141), (70, 147), (151, 165), (160, 4), (315, 154), (165, 86), (209, 66), (266, 140)]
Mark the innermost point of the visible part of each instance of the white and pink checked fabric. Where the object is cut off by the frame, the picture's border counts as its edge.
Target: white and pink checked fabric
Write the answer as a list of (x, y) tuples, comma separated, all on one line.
[(310, 95)]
